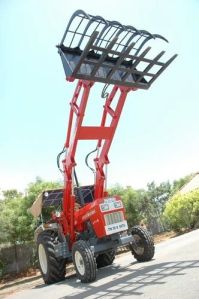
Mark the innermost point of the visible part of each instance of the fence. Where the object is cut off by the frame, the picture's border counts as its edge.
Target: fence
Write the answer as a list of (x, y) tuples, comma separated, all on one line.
[(17, 258)]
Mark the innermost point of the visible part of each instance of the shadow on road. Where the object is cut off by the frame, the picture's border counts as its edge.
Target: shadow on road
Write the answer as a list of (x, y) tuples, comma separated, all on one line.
[(20, 282), (125, 281)]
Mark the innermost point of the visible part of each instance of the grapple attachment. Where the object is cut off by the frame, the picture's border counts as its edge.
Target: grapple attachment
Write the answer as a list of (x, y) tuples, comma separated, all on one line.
[(98, 50)]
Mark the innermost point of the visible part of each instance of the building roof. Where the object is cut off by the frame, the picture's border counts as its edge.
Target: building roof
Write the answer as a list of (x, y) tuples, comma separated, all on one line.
[(191, 185)]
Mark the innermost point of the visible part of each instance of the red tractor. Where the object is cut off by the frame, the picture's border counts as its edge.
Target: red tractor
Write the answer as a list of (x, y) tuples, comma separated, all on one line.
[(91, 224)]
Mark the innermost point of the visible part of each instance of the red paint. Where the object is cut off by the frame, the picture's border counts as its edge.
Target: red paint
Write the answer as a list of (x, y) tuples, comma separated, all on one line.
[(74, 221)]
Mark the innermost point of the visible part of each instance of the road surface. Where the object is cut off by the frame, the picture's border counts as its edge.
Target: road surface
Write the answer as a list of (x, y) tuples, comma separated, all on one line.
[(172, 274)]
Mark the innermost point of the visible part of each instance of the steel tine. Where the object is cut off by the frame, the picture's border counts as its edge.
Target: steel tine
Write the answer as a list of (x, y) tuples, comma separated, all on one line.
[(85, 52), (105, 23), (140, 33), (101, 37), (119, 28), (115, 33), (143, 43), (150, 65), (160, 37), (105, 34), (144, 32), (91, 21), (120, 59), (109, 27), (103, 56), (130, 39), (116, 23), (137, 61), (131, 28), (162, 69), (84, 32), (101, 34), (101, 19), (75, 32), (76, 14), (132, 31), (120, 43), (147, 39)]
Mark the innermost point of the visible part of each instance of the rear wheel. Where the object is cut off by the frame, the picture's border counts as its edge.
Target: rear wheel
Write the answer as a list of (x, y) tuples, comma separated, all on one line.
[(143, 247), (105, 259), (84, 261), (52, 268)]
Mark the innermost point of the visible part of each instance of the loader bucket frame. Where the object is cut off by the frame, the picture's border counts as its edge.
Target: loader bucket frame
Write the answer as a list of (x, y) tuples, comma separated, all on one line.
[(96, 50), (99, 50)]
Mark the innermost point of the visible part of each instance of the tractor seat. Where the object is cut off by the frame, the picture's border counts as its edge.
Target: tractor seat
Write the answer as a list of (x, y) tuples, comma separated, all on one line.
[(84, 194)]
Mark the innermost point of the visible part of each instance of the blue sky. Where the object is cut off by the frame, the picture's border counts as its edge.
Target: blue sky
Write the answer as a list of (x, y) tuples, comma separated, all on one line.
[(157, 138)]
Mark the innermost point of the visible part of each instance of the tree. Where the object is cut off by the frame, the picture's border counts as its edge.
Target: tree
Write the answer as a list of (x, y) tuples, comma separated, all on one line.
[(117, 189), (17, 225), (178, 184), (151, 204), (182, 210), (131, 202), (159, 195), (11, 194)]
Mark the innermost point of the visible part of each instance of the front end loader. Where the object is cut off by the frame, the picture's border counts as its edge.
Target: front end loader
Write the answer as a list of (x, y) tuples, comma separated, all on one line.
[(87, 225)]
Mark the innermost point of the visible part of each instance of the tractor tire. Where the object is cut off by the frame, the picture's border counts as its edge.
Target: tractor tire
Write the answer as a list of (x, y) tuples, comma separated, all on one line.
[(105, 259), (52, 269), (143, 249), (84, 261)]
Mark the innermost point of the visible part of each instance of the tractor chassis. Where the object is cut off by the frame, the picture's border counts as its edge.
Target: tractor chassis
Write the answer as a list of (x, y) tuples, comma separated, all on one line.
[(97, 247)]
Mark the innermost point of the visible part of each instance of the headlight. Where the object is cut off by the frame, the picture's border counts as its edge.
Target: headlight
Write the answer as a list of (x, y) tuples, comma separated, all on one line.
[(104, 207), (118, 204)]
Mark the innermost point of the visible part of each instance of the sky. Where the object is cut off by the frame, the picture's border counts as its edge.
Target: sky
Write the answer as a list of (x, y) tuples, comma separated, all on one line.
[(157, 137)]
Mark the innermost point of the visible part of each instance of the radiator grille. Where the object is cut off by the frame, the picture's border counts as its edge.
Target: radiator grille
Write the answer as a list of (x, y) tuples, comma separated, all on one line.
[(114, 217)]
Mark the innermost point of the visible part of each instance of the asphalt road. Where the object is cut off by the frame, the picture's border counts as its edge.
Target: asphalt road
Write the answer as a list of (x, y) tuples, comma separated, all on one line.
[(173, 274)]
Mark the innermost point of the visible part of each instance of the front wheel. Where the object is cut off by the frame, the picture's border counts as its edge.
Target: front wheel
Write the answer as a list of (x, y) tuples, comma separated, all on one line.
[(143, 246), (84, 261), (52, 268)]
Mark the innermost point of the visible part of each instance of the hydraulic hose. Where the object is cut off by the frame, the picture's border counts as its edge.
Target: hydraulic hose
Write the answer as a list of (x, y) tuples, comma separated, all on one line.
[(58, 159), (86, 159)]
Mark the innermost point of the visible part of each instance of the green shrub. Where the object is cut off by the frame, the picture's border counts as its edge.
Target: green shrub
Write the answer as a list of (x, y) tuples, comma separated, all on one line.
[(182, 210)]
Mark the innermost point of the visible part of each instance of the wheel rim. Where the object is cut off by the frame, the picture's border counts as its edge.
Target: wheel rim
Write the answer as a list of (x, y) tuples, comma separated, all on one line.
[(79, 262), (139, 246), (43, 259)]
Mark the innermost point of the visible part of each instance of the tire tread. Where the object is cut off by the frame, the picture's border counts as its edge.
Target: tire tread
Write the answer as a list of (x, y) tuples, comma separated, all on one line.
[(148, 242), (90, 264), (56, 267), (105, 259)]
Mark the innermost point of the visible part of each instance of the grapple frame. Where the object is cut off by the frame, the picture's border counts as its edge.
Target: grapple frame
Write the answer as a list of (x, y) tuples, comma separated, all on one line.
[(98, 50)]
